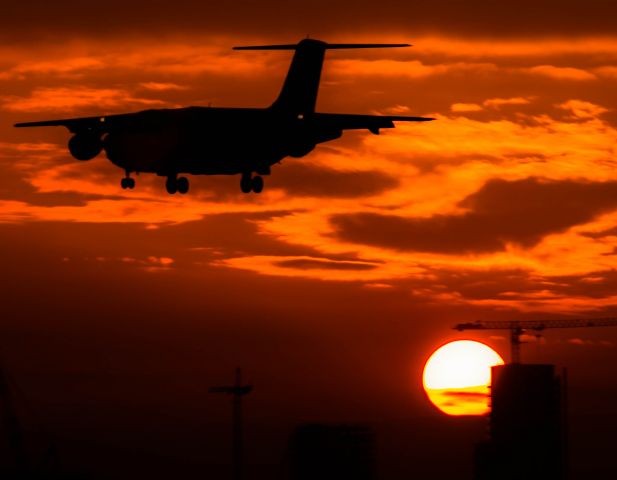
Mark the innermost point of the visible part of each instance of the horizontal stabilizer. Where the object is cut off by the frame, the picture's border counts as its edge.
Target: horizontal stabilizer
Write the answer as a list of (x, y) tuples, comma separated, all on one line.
[(333, 46), (267, 47), (327, 46)]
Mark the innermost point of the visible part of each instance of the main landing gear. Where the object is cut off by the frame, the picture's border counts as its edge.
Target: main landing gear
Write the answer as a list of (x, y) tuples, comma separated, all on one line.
[(177, 185), (251, 184), (127, 183)]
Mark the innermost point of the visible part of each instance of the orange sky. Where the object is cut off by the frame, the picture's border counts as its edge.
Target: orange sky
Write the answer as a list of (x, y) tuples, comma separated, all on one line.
[(355, 260)]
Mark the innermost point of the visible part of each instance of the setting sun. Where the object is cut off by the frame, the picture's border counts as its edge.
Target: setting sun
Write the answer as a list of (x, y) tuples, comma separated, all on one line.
[(457, 377)]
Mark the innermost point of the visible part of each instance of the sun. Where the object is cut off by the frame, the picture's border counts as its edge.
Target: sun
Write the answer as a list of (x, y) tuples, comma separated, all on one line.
[(457, 377)]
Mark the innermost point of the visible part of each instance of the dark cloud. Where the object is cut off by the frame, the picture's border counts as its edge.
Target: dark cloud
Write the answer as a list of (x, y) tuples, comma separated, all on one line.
[(464, 395), (314, 263), (303, 179), (599, 284), (490, 283), (13, 186), (296, 18), (192, 245), (611, 232), (501, 212)]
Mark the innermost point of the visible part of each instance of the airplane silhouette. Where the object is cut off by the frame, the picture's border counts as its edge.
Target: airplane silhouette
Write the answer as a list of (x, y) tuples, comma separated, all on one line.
[(223, 141)]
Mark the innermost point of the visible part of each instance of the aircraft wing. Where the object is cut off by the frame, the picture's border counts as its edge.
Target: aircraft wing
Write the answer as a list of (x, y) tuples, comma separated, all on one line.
[(77, 124), (153, 119), (370, 122), (336, 121)]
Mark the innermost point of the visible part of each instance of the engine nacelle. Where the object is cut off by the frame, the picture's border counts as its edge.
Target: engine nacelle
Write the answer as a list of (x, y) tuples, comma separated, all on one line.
[(85, 146)]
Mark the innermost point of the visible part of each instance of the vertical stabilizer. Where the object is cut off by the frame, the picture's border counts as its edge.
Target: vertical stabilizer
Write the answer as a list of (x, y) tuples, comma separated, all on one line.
[(299, 93)]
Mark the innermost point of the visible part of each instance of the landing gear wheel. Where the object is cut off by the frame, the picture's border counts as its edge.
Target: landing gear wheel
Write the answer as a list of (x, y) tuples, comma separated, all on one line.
[(127, 182), (246, 184), (171, 185), (257, 184), (183, 185)]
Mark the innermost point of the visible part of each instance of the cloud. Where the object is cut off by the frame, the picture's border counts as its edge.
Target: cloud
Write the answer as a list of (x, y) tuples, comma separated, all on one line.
[(413, 69), (548, 302), (161, 86), (72, 67), (492, 219), (75, 98), (420, 173), (517, 47), (571, 146), (318, 268), (500, 102), (321, 264), (464, 395), (303, 179), (466, 107), (608, 71), (562, 73), (150, 264), (583, 110), (490, 103), (590, 343)]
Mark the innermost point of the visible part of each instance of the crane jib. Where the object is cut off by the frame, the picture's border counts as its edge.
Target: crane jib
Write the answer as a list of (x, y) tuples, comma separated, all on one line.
[(519, 327)]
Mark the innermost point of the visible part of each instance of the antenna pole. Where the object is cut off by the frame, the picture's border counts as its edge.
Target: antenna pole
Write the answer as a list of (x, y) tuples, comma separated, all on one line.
[(237, 391), (237, 428)]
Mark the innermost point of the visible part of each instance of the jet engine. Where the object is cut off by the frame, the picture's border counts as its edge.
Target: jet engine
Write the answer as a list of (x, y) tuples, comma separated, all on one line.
[(85, 146)]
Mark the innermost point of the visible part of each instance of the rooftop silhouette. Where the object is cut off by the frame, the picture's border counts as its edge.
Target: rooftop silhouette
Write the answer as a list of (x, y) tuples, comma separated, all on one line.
[(527, 425)]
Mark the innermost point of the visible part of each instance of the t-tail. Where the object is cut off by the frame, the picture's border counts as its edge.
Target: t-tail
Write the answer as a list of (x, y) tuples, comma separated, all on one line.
[(299, 93)]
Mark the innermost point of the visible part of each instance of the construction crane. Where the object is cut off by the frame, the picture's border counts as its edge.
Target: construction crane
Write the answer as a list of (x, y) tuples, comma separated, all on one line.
[(237, 391), (518, 328)]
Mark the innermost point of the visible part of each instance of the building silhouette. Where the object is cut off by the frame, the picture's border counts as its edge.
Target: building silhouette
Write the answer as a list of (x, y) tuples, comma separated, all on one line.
[(329, 452), (527, 428)]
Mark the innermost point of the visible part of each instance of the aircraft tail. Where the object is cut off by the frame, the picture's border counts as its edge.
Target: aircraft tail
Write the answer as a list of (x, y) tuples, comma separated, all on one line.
[(299, 93)]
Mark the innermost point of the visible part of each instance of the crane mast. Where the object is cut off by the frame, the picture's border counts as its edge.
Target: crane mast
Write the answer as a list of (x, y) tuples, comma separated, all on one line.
[(518, 328)]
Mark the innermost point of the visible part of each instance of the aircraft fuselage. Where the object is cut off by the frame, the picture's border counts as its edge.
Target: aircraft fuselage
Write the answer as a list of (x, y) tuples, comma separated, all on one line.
[(204, 140)]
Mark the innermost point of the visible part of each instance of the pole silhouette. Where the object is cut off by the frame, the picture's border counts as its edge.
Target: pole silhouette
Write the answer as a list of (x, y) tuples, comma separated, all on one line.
[(237, 391)]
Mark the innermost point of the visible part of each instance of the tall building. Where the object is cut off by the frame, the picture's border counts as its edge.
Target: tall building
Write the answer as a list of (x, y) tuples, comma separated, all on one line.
[(527, 428), (329, 452)]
